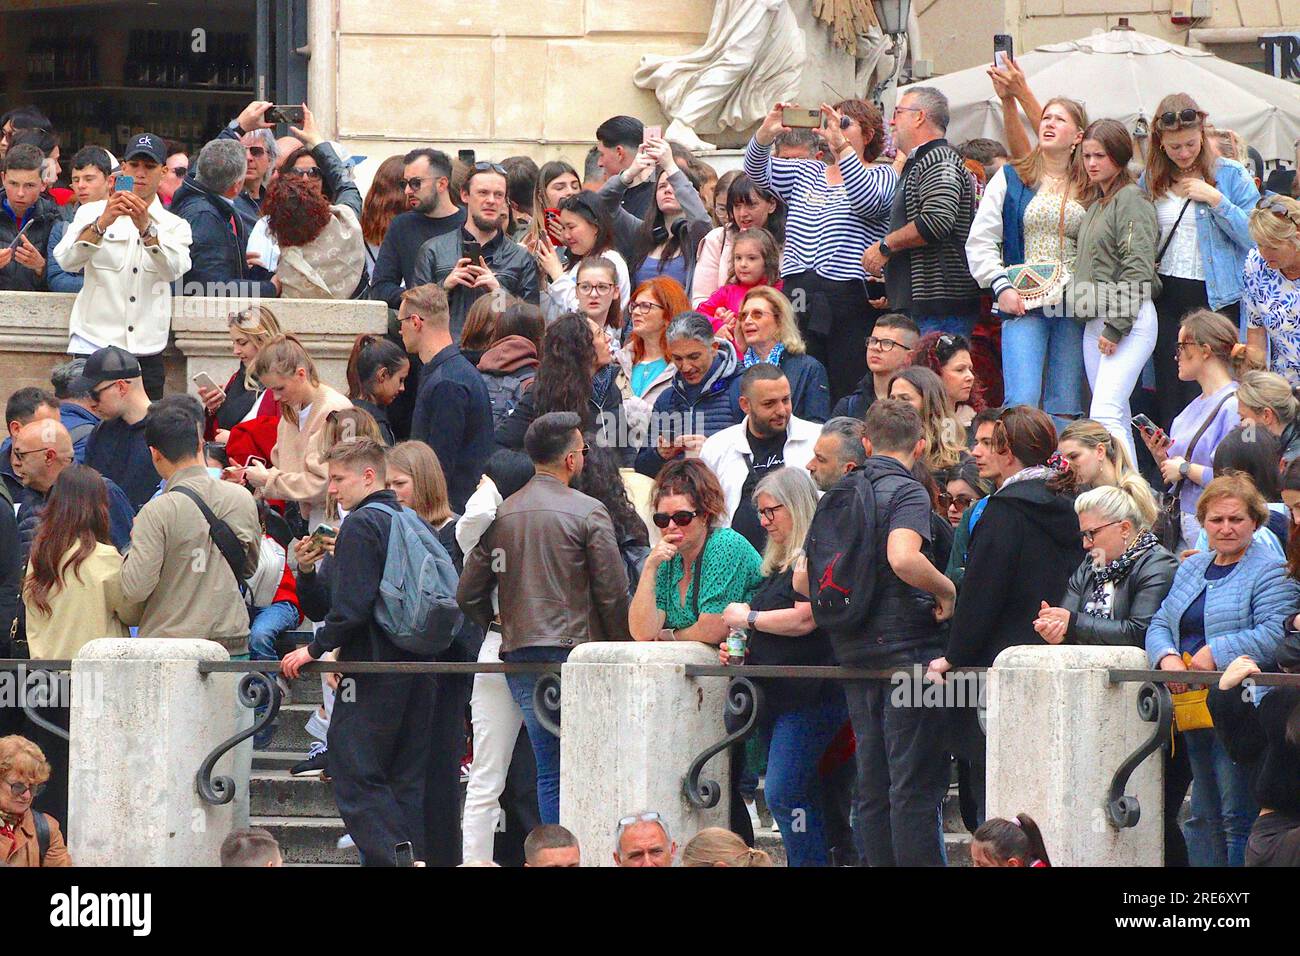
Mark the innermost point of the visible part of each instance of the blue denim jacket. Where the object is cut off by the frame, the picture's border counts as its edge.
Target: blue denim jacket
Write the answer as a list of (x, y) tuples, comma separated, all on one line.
[(1222, 232)]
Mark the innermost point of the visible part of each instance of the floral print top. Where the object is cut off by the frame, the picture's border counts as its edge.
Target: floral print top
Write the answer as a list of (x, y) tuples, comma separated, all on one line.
[(1272, 302)]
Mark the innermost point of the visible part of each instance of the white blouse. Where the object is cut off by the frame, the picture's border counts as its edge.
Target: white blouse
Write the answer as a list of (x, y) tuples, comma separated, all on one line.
[(1182, 258)]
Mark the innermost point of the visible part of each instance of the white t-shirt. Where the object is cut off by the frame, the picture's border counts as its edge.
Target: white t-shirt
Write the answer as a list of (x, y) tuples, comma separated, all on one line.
[(1182, 257)]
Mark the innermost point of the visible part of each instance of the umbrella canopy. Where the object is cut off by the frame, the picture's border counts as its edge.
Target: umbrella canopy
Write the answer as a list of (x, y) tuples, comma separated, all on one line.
[(1122, 75)]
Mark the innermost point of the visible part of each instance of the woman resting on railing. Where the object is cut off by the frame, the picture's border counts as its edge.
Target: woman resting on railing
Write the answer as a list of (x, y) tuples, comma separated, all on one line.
[(799, 718)]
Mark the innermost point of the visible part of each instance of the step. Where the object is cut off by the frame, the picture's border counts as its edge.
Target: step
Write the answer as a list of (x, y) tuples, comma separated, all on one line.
[(306, 840), (277, 793), (275, 759), (291, 729)]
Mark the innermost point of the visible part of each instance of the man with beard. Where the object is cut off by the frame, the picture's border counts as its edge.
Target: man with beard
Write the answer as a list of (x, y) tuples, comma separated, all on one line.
[(838, 451), (478, 258), (425, 181), (769, 437)]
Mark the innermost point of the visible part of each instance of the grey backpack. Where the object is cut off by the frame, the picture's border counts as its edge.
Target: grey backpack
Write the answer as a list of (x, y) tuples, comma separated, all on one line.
[(505, 391), (416, 607)]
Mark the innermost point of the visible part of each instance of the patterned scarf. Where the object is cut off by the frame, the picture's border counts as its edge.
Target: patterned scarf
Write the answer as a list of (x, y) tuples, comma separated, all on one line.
[(1118, 569), (773, 357)]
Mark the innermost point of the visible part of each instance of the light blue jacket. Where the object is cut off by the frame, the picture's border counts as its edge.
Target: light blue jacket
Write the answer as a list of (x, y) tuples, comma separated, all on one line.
[(1245, 613), (55, 276), (1222, 233)]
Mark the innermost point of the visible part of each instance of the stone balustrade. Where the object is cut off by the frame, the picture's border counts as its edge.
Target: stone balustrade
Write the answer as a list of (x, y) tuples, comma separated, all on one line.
[(34, 335)]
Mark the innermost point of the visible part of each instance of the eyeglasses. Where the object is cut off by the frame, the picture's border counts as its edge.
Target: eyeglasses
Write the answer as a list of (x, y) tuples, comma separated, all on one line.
[(311, 172), (256, 151), (1172, 120), (1090, 534), (414, 184), (1277, 208), (679, 518), (22, 789), (756, 314), (769, 514), (883, 344), (600, 288), (96, 392), (179, 171), (1179, 347), (585, 450), (486, 167), (20, 455), (641, 308), (961, 501), (907, 109)]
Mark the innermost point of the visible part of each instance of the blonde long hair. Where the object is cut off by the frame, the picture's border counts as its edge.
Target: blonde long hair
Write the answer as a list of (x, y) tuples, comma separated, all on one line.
[(945, 438), (1030, 168), (787, 328), (261, 326)]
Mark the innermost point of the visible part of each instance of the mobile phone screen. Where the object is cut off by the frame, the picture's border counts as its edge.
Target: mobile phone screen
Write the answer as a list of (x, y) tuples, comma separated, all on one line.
[(124, 184)]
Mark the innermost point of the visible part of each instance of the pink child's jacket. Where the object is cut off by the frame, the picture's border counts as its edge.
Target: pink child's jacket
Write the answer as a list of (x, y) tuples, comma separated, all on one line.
[(729, 297)]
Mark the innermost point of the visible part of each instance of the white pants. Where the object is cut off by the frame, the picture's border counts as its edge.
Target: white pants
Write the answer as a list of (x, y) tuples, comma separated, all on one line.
[(1112, 378), (497, 720)]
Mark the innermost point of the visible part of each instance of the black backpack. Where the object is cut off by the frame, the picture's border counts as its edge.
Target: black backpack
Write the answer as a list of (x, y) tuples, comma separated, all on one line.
[(841, 551), (505, 391)]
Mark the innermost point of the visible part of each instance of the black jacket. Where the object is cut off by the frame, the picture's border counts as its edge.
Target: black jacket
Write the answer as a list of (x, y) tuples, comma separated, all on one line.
[(1022, 553), (217, 250), (1255, 737), (362, 548), (16, 277), (605, 407), (11, 570), (1136, 599), (453, 416), (856, 403), (394, 269), (901, 628)]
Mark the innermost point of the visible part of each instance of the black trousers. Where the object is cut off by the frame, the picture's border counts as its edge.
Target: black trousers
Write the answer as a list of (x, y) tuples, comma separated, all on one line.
[(379, 758), (442, 785), (1177, 298), (835, 319), (519, 804), (1178, 778)]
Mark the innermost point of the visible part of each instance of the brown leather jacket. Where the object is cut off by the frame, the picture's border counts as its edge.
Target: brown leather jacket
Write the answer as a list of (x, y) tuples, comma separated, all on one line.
[(553, 555), (26, 851)]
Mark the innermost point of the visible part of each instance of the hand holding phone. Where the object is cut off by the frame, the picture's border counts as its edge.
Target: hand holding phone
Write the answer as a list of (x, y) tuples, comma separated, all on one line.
[(403, 854), (1003, 49), (124, 184), (472, 250), (292, 115), (800, 117), (18, 238)]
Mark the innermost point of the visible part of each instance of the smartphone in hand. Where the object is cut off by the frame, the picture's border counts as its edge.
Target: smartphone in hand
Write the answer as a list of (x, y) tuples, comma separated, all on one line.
[(1003, 49), (472, 250), (124, 184), (403, 854)]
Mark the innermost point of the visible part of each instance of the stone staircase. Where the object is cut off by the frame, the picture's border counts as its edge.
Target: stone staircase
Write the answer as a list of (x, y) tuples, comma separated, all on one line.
[(301, 814)]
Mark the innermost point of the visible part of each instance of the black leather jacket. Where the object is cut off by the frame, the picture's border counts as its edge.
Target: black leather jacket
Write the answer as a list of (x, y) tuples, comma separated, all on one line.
[(1136, 600)]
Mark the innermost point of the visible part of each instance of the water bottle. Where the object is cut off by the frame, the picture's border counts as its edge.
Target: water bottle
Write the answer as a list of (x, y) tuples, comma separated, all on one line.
[(736, 642)]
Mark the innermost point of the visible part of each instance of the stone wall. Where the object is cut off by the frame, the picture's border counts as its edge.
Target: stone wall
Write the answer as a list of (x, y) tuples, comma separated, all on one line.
[(34, 336)]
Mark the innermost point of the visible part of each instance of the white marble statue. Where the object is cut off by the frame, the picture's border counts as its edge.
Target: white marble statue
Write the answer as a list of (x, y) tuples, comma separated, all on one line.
[(753, 57)]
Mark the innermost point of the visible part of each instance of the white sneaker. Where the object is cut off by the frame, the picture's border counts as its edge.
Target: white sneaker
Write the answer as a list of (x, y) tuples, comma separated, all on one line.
[(753, 815), (346, 842)]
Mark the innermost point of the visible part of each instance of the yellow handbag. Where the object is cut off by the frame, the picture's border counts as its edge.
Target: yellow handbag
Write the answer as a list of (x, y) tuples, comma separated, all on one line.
[(1191, 712)]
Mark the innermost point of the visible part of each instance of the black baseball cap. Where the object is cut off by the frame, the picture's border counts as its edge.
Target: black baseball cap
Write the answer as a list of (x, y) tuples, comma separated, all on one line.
[(109, 364), (146, 144)]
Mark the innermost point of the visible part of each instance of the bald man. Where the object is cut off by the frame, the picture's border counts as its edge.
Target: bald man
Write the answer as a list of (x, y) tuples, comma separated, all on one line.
[(45, 449)]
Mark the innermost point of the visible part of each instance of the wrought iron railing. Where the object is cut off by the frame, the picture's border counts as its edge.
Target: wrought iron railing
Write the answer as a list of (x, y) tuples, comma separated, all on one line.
[(31, 668)]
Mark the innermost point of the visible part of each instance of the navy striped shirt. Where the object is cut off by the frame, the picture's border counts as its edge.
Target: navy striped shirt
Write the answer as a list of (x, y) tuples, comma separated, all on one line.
[(827, 227)]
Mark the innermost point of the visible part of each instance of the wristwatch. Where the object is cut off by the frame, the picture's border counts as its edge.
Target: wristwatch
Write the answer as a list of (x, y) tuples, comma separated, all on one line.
[(752, 619), (150, 233), (884, 249), (1184, 468)]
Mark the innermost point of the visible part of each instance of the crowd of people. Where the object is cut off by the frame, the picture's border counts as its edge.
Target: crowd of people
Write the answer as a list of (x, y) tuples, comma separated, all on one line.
[(1039, 392)]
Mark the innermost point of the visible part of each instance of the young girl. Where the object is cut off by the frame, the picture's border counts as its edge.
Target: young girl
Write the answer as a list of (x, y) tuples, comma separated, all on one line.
[(376, 374), (755, 260), (1016, 842)]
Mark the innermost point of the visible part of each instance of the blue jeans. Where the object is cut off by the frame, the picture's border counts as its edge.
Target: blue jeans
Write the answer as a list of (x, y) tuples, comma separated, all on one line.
[(1042, 364), (963, 325), (546, 746), (1223, 807), (796, 740), (267, 624)]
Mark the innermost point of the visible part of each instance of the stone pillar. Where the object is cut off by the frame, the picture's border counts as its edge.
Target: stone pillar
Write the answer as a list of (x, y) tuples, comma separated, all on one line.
[(141, 726), (632, 723), (1057, 732)]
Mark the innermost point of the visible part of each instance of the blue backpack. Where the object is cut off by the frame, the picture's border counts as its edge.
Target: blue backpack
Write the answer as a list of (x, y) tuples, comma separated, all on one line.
[(416, 607)]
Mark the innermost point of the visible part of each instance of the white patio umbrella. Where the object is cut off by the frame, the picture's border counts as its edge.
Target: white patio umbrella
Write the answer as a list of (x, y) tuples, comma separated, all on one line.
[(1122, 74)]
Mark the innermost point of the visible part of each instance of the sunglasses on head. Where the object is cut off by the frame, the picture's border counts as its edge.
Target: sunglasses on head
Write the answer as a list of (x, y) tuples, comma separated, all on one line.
[(1179, 119), (485, 167), (679, 518), (1277, 208)]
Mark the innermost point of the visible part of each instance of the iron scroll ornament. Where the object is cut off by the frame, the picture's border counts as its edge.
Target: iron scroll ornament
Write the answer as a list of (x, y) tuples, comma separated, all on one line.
[(744, 702), (256, 689), (30, 711), (1154, 705), (546, 703)]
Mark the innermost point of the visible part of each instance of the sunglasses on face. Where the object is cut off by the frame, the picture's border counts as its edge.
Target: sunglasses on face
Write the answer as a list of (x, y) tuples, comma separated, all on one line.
[(680, 518), (257, 152), (961, 501), (414, 184), (96, 392), (22, 789), (311, 172), (1179, 120), (179, 171)]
